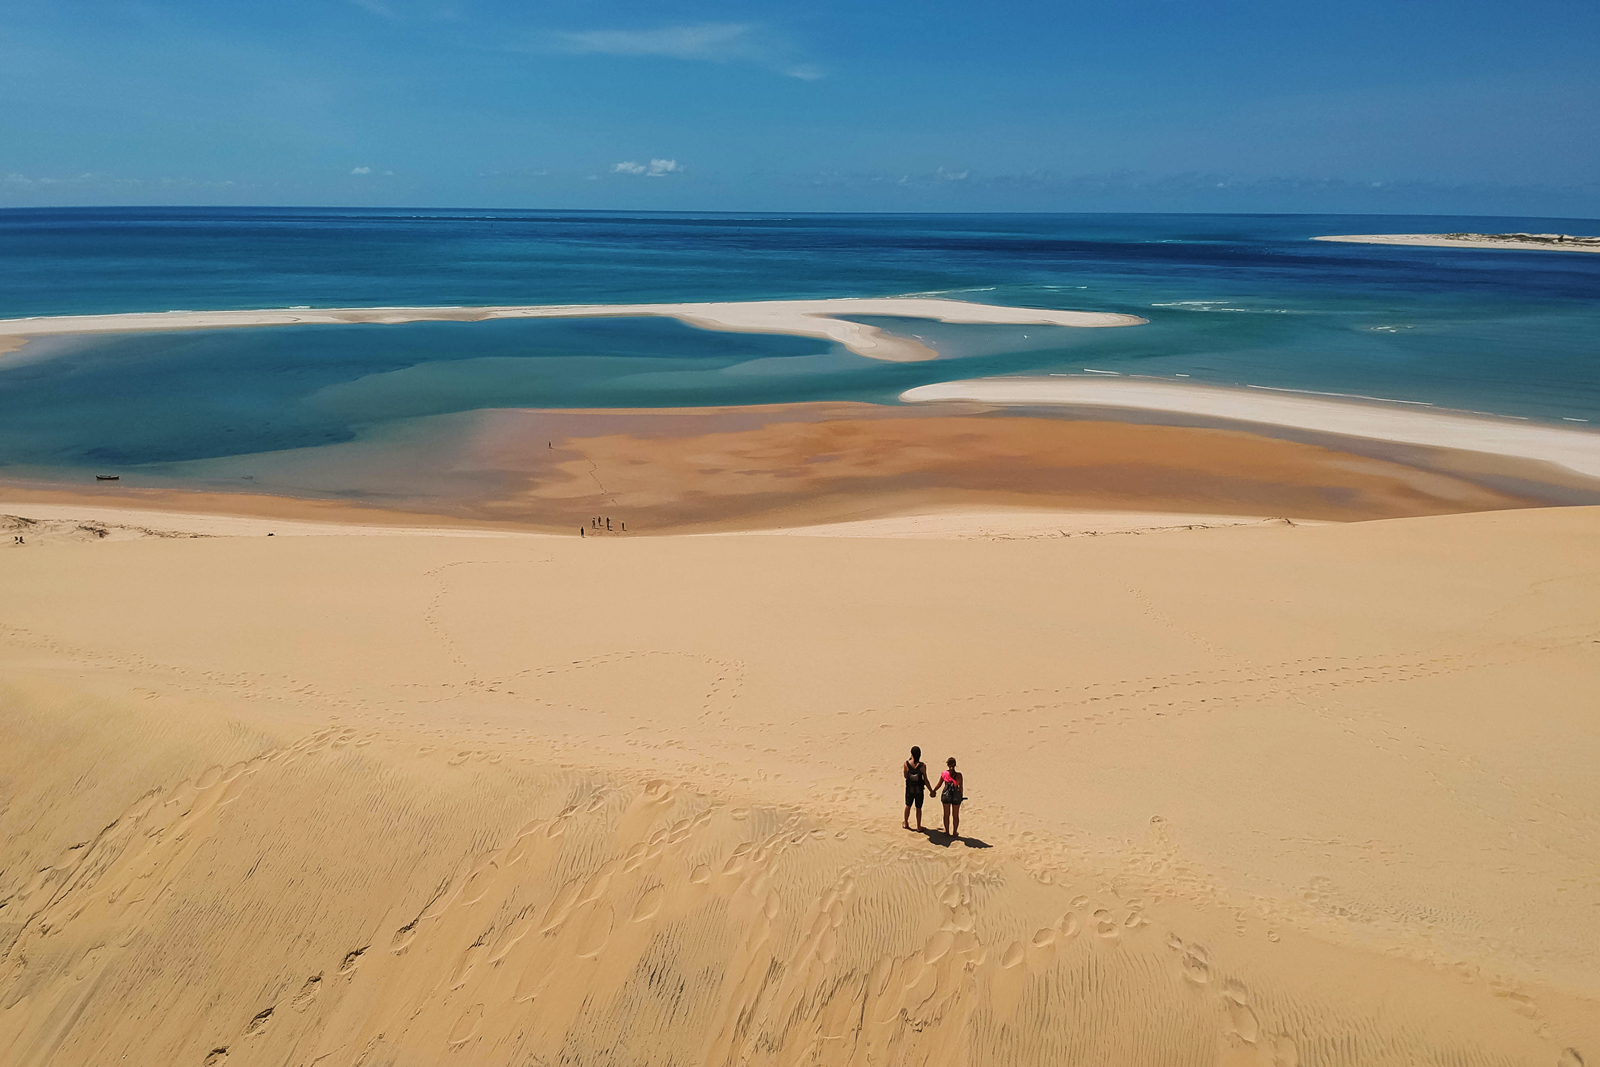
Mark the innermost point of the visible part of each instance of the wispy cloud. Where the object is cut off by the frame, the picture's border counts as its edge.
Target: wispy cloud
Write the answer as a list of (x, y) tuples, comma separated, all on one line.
[(656, 168), (108, 181), (361, 170), (711, 42)]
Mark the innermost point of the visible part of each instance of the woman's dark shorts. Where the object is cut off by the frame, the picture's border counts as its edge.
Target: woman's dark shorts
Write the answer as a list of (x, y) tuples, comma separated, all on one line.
[(914, 794)]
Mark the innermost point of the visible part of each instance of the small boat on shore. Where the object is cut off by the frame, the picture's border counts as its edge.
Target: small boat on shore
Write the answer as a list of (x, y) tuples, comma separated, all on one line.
[(107, 477)]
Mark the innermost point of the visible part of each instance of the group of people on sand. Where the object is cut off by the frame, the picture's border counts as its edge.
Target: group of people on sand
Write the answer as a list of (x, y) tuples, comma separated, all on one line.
[(951, 791)]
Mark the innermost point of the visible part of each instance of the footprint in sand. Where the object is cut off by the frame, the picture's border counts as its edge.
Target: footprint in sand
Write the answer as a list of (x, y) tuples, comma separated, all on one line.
[(308, 993), (466, 1027), (1241, 1017), (259, 1024), (469, 960), (216, 1057), (649, 904), (938, 946), (352, 960), (596, 934), (559, 907), (1196, 963), (403, 937), (1569, 1058)]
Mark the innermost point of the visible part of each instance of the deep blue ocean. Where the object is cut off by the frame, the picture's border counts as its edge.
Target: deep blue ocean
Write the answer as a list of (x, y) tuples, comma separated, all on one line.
[(1231, 299)]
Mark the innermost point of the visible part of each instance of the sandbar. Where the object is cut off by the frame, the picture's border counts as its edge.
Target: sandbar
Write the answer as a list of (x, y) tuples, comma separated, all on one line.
[(1574, 449), (801, 318), (1522, 242)]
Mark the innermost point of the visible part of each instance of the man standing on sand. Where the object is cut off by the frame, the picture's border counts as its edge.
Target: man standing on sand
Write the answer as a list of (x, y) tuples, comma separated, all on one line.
[(916, 773)]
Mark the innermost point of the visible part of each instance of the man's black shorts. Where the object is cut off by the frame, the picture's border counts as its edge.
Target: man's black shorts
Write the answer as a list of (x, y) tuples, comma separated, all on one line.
[(914, 793)]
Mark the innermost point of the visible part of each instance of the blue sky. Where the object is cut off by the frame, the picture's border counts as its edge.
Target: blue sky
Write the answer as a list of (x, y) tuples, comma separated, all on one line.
[(1403, 105)]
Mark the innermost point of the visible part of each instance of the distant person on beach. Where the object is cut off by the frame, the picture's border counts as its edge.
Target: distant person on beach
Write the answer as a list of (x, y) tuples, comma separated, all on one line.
[(916, 773), (952, 794)]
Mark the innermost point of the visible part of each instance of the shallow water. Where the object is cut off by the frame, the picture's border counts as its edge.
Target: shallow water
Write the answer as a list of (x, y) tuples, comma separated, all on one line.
[(1230, 299)]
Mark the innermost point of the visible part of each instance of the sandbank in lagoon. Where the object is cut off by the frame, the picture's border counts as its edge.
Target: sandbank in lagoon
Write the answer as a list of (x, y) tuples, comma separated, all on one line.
[(800, 318), (1403, 422)]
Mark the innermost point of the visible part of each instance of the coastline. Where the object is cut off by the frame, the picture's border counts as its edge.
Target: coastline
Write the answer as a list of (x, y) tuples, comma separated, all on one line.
[(1441, 240), (1575, 450), (799, 318)]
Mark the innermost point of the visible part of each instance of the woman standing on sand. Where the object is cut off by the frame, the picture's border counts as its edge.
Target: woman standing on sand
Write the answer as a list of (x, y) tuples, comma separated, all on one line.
[(916, 773), (953, 794)]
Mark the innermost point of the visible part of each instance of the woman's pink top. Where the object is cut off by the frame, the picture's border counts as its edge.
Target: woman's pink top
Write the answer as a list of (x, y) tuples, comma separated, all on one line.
[(945, 777)]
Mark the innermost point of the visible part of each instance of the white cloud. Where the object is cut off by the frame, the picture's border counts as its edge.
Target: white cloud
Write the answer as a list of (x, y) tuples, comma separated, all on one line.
[(718, 41), (715, 42), (362, 170), (656, 168)]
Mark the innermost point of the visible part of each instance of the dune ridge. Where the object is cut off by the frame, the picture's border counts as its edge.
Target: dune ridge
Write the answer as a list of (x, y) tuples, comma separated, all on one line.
[(801, 318)]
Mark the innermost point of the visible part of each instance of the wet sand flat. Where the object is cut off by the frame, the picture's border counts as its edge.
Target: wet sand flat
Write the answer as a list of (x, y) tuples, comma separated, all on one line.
[(782, 466)]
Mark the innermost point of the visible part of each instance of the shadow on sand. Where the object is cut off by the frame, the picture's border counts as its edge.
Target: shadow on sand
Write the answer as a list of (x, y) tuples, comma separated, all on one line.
[(944, 840)]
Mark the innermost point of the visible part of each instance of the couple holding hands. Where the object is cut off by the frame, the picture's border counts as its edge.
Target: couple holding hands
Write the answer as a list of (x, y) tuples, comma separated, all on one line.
[(951, 791)]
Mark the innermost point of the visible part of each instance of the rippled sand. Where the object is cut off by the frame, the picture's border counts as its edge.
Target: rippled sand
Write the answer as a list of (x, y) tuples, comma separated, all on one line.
[(1255, 795)]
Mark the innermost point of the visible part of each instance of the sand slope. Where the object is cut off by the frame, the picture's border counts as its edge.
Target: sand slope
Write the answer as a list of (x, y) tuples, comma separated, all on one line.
[(1262, 795)]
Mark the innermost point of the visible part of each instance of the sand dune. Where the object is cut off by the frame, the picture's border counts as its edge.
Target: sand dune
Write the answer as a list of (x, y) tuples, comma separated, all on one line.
[(1260, 795), (801, 318)]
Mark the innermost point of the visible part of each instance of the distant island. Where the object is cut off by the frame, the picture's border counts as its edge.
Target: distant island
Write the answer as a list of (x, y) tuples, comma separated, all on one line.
[(1559, 242)]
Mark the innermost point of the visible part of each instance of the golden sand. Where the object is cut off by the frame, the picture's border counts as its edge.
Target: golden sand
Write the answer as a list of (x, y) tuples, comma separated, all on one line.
[(1268, 795)]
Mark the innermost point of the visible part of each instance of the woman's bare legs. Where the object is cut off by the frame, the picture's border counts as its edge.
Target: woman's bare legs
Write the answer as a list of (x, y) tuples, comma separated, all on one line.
[(947, 807), (955, 830)]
